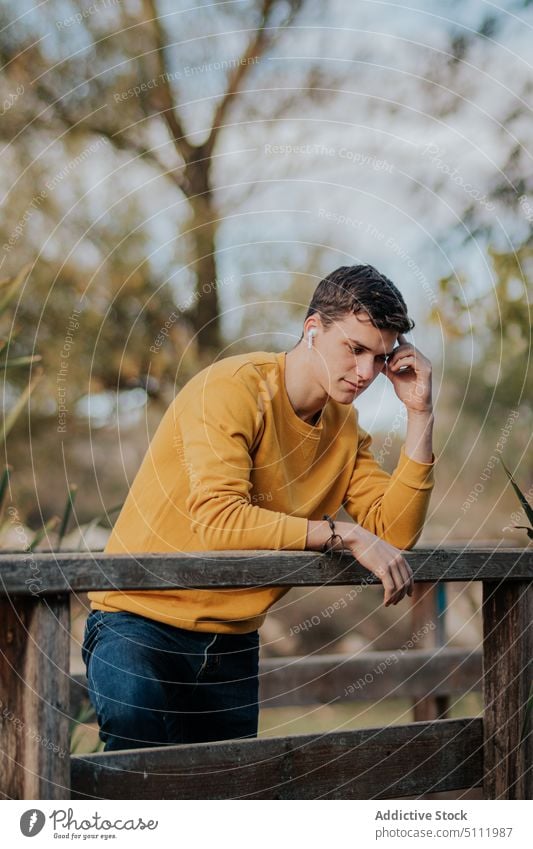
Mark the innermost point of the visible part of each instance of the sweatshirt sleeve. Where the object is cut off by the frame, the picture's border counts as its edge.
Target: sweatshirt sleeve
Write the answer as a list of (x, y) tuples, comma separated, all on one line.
[(218, 426), (393, 506)]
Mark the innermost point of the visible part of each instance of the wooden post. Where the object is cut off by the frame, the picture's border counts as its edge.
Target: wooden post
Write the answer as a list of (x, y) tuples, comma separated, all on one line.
[(34, 697), (507, 677), (426, 609)]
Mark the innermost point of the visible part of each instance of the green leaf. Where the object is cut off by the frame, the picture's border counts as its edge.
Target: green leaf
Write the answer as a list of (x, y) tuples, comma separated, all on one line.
[(15, 362), (4, 484), (12, 287), (66, 513), (50, 525), (17, 408), (525, 504), (96, 521)]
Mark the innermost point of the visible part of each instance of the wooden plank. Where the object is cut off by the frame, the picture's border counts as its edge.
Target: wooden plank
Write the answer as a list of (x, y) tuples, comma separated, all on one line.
[(374, 763), (508, 694), (34, 696), (81, 572), (328, 678)]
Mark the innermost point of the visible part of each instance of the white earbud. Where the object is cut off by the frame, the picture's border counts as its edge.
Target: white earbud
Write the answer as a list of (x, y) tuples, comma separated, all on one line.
[(310, 335)]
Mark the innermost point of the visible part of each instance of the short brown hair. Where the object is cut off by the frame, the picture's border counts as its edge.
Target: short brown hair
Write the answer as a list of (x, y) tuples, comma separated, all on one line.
[(357, 288)]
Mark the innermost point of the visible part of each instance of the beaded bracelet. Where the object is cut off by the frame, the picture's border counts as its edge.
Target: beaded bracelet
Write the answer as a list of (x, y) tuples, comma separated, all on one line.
[(326, 547)]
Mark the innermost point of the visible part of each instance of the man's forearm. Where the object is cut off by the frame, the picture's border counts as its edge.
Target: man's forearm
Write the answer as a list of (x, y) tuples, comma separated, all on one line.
[(419, 437)]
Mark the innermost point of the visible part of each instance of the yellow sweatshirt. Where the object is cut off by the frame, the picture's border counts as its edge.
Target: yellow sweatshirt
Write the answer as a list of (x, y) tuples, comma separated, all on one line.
[(232, 466)]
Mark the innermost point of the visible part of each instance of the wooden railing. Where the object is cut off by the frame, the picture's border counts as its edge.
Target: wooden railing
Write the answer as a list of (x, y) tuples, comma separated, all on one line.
[(37, 692)]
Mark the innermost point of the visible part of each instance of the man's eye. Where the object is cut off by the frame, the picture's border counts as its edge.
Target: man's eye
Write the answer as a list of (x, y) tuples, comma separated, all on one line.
[(381, 359)]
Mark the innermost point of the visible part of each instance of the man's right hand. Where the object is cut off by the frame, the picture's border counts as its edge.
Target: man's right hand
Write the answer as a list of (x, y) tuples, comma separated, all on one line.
[(381, 558)]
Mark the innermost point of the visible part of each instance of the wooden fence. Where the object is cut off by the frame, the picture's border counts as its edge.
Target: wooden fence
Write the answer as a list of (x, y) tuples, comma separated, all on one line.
[(38, 694)]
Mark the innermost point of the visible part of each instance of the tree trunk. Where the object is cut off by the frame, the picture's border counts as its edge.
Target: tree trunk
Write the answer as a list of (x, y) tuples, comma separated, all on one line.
[(205, 312)]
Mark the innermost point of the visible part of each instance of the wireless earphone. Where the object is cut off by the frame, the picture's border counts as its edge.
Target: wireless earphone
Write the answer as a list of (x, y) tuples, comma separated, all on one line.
[(310, 335)]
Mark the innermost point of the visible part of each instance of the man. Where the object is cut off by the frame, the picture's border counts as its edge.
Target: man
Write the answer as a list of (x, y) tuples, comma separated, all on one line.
[(251, 454)]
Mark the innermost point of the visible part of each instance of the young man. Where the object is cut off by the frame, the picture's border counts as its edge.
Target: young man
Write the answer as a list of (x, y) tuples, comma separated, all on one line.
[(251, 454)]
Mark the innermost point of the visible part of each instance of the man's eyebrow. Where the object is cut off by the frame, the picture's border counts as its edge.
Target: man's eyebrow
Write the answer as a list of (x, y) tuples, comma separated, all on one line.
[(365, 348)]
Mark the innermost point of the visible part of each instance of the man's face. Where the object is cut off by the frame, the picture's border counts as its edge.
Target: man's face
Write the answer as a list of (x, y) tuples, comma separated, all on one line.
[(351, 354)]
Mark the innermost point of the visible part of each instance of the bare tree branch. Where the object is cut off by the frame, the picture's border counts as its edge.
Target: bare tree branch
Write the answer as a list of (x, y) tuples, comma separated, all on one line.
[(259, 43), (164, 92), (117, 138), (146, 153), (255, 49)]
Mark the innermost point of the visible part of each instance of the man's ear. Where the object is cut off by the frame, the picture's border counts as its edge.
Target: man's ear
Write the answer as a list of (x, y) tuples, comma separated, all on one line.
[(313, 320)]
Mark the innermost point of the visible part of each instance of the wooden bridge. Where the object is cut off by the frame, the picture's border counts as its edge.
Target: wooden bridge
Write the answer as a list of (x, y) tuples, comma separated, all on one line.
[(38, 696)]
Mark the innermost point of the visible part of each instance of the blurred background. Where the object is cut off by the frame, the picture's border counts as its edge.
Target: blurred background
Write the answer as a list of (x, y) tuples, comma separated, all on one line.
[(177, 178)]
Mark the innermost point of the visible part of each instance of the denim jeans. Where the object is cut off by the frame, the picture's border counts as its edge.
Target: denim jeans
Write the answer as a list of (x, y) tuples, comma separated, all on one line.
[(153, 684)]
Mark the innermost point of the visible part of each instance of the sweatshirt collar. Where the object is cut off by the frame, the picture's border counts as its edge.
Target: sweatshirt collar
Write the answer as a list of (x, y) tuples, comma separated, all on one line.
[(294, 420)]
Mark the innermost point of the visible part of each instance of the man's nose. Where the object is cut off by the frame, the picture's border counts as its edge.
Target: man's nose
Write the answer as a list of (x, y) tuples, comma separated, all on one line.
[(365, 368)]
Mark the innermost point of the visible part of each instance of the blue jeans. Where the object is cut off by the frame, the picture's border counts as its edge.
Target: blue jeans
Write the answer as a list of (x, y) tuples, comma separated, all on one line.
[(153, 684)]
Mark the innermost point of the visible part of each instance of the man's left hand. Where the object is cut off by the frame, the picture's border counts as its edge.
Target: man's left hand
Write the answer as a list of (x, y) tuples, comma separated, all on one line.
[(410, 373)]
